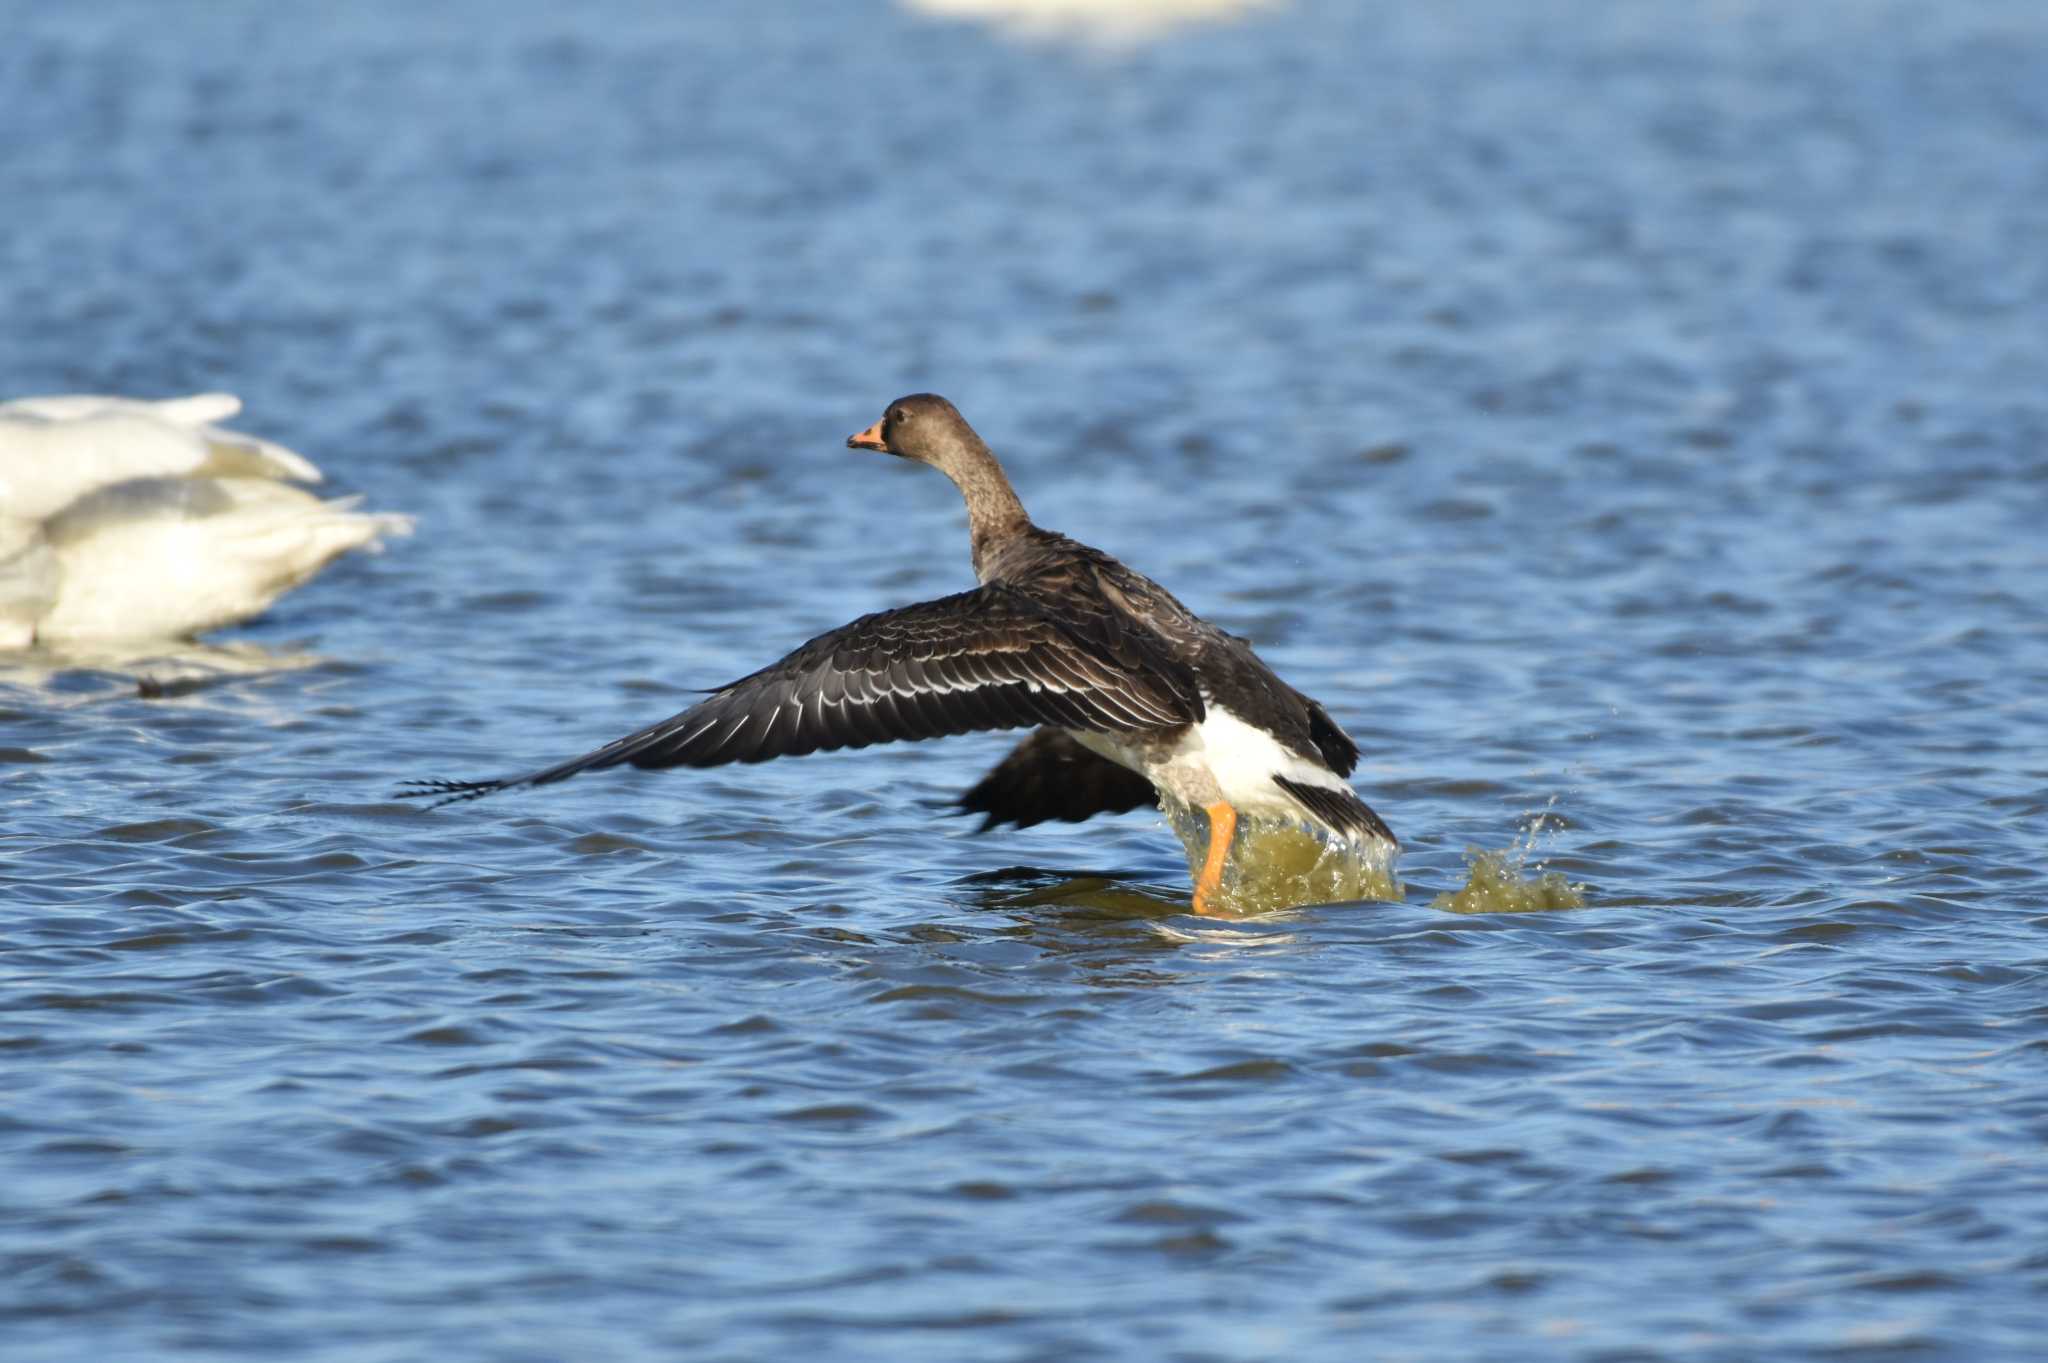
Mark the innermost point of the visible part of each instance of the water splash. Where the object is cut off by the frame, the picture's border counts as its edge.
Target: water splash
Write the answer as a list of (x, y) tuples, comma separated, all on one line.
[(1279, 864), (1496, 880)]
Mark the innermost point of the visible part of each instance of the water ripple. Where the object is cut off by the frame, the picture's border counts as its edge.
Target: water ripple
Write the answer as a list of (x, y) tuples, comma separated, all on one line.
[(1629, 426)]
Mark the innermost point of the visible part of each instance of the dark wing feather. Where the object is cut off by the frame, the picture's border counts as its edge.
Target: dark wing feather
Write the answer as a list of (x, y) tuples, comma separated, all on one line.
[(1339, 809), (993, 658), (1339, 752), (1050, 776)]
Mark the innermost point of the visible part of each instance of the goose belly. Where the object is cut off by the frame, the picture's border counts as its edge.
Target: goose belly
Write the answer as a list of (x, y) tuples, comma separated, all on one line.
[(1221, 758)]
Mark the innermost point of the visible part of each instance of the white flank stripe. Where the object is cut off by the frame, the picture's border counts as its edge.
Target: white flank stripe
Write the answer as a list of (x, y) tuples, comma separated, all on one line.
[(1244, 760)]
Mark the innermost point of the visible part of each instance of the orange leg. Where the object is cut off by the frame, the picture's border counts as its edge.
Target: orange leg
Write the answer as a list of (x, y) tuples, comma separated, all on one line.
[(1222, 828)]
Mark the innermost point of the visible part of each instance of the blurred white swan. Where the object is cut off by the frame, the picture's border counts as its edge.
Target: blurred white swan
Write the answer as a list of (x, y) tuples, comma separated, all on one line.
[(1112, 21), (127, 519)]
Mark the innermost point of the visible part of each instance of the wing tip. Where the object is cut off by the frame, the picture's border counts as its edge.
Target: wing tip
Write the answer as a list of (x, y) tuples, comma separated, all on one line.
[(442, 792), (1050, 776), (975, 801)]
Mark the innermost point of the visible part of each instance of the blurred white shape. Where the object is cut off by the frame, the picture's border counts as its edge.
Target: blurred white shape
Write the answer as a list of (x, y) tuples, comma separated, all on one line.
[(1111, 21), (53, 450), (126, 519), (163, 669), (28, 580)]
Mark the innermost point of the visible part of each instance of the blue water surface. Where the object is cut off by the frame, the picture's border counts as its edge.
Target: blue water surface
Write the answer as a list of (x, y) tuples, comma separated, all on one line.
[(1630, 413)]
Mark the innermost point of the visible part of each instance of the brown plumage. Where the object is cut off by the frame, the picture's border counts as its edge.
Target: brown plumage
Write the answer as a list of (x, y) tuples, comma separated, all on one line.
[(998, 657), (1050, 776), (1119, 678)]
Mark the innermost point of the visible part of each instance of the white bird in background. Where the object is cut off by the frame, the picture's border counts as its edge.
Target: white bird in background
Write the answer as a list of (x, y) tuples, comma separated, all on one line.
[(1111, 21), (130, 519)]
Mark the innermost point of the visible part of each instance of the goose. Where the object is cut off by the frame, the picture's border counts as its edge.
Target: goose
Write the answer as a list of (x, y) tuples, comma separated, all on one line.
[(126, 518), (1134, 699)]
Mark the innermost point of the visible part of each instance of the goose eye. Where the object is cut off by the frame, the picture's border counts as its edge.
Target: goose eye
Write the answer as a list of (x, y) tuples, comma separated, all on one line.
[(898, 417)]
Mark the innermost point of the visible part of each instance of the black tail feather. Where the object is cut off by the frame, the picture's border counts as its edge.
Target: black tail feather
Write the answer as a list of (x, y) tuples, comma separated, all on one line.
[(1339, 809)]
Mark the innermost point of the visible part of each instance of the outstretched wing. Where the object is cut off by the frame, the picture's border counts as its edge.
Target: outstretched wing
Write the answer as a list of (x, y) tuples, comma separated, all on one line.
[(992, 658), (1050, 776)]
